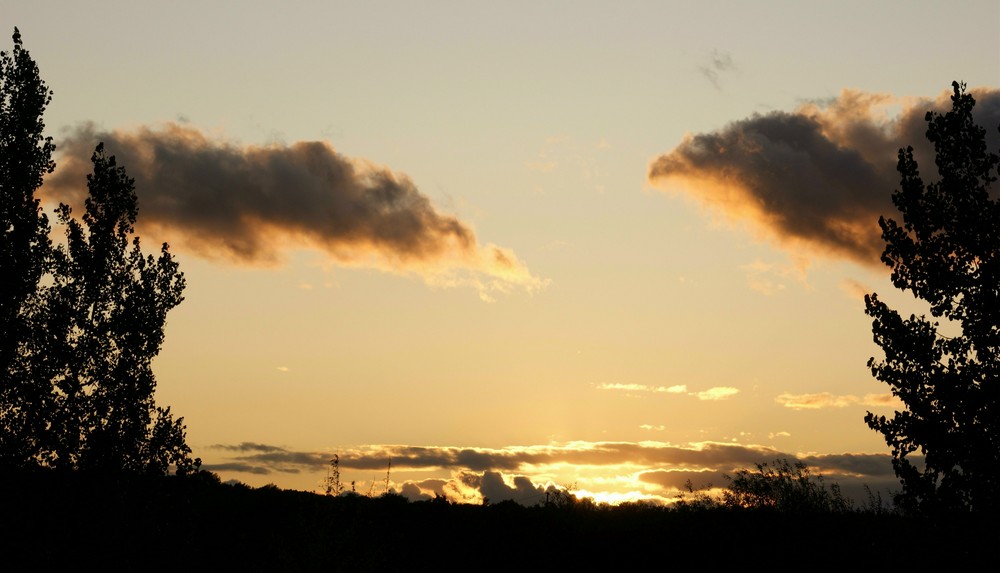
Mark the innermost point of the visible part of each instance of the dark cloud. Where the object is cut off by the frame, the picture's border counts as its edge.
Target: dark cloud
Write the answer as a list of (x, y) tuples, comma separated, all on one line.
[(704, 455), (248, 447), (874, 465), (819, 177), (678, 479), (861, 477), (426, 489), (858, 488), (412, 492), (838, 467), (496, 487), (238, 467), (377, 457), (258, 458), (493, 488), (248, 204)]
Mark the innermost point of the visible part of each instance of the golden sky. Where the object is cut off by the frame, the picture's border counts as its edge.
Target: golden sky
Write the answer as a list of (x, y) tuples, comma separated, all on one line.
[(507, 245)]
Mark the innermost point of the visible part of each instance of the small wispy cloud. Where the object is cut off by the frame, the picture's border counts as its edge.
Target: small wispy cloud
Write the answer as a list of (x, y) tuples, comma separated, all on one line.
[(828, 400), (815, 401), (676, 389), (715, 393), (718, 393), (886, 400), (719, 62)]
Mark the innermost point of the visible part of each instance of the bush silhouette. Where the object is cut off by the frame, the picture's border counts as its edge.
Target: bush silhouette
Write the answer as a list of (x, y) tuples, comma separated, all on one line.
[(783, 486)]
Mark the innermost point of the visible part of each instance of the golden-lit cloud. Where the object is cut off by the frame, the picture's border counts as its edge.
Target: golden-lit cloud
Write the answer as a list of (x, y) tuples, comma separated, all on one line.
[(715, 393), (718, 393), (827, 400), (886, 400), (675, 389), (250, 204), (815, 401), (817, 179)]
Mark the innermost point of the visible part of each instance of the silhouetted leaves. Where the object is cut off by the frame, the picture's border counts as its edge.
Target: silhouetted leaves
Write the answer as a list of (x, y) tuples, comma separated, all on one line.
[(82, 321), (25, 157), (947, 253), (785, 487)]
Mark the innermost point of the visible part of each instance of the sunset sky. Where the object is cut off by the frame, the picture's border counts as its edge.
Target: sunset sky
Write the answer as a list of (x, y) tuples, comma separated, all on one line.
[(607, 245)]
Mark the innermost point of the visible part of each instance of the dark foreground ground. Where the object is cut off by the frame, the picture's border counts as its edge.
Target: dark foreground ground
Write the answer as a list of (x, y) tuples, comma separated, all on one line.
[(54, 521)]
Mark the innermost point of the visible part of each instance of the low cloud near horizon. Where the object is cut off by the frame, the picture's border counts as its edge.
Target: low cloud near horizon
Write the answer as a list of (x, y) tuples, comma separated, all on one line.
[(520, 472), (817, 179), (250, 204)]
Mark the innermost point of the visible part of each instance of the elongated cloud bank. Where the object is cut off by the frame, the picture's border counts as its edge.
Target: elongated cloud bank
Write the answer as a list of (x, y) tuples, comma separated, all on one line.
[(655, 471), (248, 204), (817, 178), (828, 400), (265, 458)]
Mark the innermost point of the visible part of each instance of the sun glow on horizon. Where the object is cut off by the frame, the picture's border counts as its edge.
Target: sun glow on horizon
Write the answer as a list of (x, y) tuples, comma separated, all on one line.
[(685, 261)]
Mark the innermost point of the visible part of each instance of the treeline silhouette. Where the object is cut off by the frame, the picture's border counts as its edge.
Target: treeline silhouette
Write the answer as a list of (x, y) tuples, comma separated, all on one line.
[(134, 522)]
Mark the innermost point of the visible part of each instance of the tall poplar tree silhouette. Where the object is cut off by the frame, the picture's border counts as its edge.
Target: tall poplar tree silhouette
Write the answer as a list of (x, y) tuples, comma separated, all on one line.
[(80, 321), (25, 158), (947, 253)]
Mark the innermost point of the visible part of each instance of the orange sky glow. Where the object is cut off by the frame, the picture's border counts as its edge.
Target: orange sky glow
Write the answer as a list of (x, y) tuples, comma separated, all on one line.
[(611, 247)]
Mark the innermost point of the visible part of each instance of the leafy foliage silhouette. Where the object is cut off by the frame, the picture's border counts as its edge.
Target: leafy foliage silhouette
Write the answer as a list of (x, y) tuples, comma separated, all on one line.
[(783, 486), (83, 320), (947, 253), (25, 158)]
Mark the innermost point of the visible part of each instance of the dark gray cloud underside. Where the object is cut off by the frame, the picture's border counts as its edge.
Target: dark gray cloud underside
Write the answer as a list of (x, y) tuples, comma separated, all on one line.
[(687, 462), (820, 176), (242, 203)]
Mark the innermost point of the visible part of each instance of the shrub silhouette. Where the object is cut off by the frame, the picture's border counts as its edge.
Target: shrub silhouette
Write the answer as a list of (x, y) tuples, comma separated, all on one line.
[(783, 486)]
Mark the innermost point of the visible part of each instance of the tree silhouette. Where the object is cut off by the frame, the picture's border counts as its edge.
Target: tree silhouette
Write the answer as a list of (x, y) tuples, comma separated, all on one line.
[(83, 320), (947, 253), (25, 157), (108, 304)]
